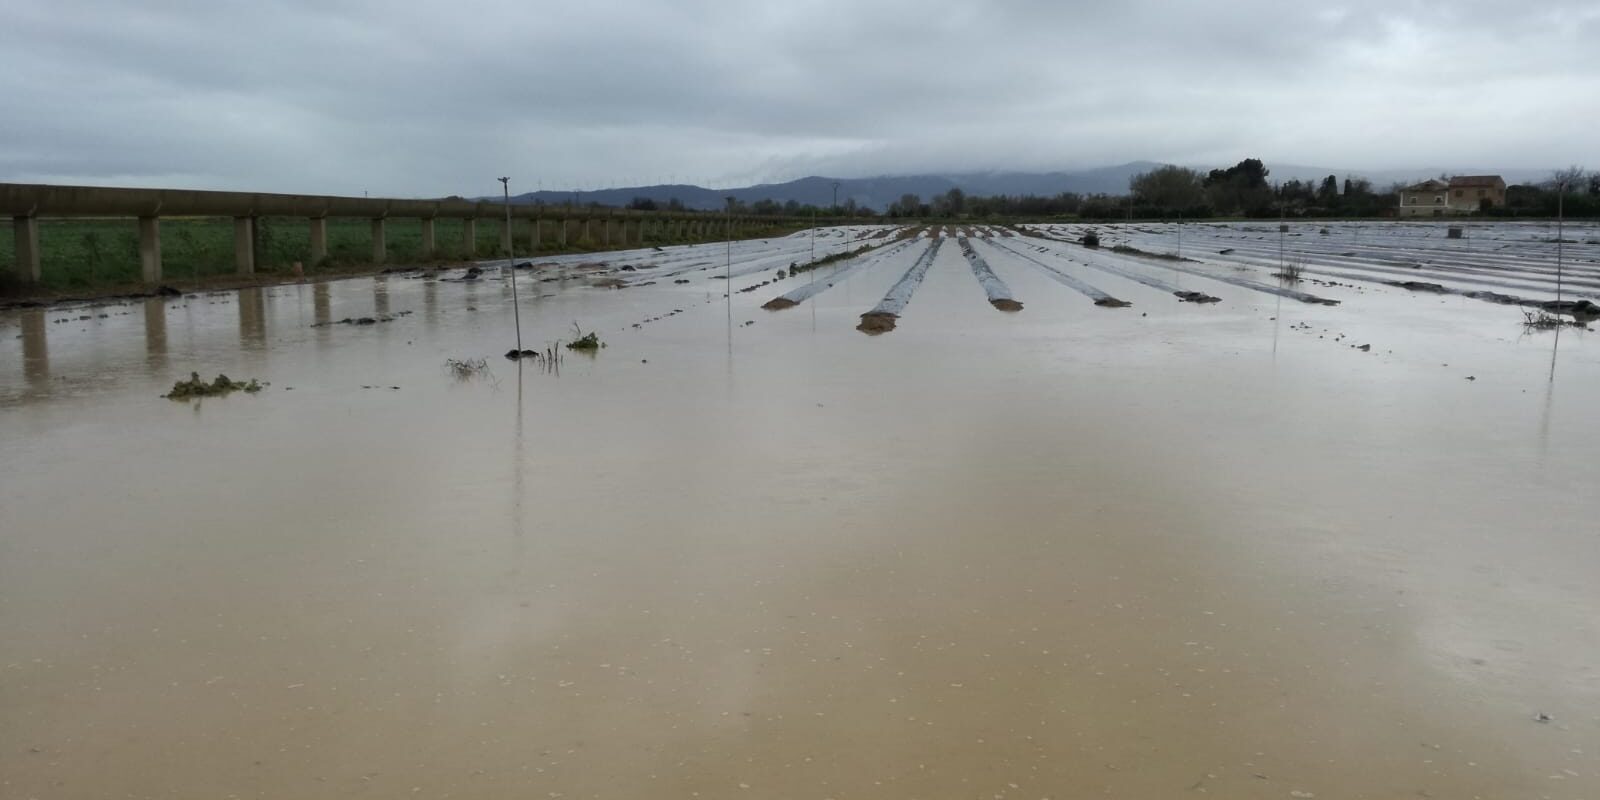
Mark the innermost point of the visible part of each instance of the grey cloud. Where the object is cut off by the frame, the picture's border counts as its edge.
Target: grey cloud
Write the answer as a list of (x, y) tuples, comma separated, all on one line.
[(413, 99)]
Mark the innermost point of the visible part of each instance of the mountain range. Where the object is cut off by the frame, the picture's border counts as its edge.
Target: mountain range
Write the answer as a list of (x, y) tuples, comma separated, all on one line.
[(877, 193)]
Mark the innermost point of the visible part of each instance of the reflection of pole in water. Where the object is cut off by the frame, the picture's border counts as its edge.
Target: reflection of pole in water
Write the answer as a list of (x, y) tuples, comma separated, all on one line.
[(430, 303), (252, 317), (155, 331), (1549, 398), (321, 304), (1277, 322), (380, 297), (35, 349), (517, 466)]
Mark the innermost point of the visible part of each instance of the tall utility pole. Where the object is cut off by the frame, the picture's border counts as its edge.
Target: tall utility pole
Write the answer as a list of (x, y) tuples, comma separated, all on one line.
[(813, 233), (1561, 216), (516, 313)]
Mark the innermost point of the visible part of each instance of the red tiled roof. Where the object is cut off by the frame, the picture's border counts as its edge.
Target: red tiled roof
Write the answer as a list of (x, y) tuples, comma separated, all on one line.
[(1477, 180)]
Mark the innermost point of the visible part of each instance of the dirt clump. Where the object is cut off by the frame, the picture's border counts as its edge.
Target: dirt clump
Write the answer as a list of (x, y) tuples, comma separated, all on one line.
[(874, 323), (1196, 297), (778, 304), (1006, 304)]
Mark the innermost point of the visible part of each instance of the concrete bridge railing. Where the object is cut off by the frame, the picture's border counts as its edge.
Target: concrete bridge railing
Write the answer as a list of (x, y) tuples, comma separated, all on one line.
[(27, 203)]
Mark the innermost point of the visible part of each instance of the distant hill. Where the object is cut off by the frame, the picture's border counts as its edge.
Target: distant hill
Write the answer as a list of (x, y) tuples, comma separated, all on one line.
[(877, 193)]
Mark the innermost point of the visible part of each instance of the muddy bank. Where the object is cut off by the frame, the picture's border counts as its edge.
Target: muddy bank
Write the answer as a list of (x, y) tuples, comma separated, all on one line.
[(1583, 310)]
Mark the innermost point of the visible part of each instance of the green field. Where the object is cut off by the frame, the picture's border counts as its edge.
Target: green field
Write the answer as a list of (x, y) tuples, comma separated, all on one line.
[(90, 254)]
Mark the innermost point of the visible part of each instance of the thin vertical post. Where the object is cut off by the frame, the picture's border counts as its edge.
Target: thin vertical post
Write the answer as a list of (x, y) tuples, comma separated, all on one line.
[(516, 313), (1561, 216)]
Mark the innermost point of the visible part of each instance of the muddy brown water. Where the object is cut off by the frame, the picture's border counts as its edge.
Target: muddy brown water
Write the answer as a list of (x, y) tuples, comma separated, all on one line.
[(1174, 550)]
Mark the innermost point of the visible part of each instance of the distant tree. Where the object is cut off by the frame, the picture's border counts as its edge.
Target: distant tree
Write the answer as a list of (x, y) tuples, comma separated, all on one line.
[(1169, 188), (642, 204), (909, 205), (1571, 178), (674, 204), (1329, 191), (1249, 174), (1241, 188), (955, 201)]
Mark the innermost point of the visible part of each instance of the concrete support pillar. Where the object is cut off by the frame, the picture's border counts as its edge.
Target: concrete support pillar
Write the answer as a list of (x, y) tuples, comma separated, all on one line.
[(538, 234), (244, 245), (380, 250), (469, 238), (605, 231), (150, 249), (588, 230), (319, 240), (26, 231), (640, 231), (563, 237), (505, 237), (429, 244)]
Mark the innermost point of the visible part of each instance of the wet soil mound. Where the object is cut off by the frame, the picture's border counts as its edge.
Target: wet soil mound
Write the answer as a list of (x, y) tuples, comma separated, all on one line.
[(876, 322), (1196, 297), (1006, 304)]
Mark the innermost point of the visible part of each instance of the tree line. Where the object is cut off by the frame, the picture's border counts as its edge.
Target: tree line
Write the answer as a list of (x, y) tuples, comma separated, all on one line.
[(1173, 192)]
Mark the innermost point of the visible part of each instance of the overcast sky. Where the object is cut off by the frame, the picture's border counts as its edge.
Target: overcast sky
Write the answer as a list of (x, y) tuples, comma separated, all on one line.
[(414, 99)]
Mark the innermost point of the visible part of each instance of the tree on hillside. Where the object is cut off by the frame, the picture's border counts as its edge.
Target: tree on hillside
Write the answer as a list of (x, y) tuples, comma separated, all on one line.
[(1328, 194), (909, 205), (1169, 187), (1241, 188)]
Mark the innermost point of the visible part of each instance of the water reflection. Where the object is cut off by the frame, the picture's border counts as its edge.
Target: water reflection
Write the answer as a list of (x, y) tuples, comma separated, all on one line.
[(321, 305), (380, 297), (155, 332), (430, 304), (35, 350), (252, 318)]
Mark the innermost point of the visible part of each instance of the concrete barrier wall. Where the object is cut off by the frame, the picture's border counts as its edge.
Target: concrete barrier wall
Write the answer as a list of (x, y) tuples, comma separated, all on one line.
[(25, 203)]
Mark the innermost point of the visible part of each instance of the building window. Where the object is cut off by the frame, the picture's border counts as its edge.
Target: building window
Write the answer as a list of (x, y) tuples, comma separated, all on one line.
[(1438, 198)]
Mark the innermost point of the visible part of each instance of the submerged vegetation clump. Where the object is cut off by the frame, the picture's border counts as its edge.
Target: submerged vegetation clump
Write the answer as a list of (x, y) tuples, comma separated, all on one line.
[(1546, 321), (195, 388), (1292, 271), (586, 342)]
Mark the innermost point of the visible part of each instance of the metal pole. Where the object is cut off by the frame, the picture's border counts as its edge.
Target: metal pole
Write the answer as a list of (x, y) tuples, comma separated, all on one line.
[(511, 246), (1561, 198)]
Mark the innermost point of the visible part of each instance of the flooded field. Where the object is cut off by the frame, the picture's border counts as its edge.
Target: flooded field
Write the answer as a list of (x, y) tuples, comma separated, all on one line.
[(971, 514)]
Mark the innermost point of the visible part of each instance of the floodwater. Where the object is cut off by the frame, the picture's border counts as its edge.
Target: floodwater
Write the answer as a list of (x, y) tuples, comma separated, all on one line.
[(1071, 551)]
